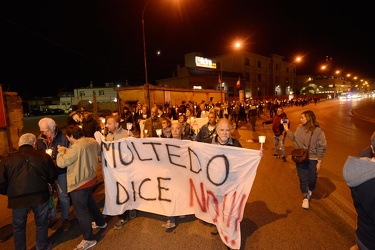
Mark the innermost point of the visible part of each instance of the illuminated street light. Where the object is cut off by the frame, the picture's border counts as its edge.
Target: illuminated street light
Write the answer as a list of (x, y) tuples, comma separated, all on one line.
[(144, 40)]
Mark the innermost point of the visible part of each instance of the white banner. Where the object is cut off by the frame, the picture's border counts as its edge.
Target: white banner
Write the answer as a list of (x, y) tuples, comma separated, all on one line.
[(177, 177)]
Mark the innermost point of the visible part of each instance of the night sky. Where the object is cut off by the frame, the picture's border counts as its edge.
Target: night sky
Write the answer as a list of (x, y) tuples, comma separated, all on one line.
[(51, 46)]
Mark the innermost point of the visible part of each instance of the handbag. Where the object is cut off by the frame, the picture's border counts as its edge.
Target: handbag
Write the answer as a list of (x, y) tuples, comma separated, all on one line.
[(301, 155)]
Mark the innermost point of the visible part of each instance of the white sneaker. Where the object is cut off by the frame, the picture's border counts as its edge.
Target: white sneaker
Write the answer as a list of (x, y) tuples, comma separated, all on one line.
[(93, 225), (309, 193), (305, 203), (85, 244), (169, 224)]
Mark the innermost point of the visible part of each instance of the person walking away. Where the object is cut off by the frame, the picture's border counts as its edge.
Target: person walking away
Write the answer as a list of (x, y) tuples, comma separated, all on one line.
[(279, 133), (116, 132), (359, 174), (360, 177), (21, 179), (81, 162), (51, 138), (253, 113), (89, 125), (309, 129)]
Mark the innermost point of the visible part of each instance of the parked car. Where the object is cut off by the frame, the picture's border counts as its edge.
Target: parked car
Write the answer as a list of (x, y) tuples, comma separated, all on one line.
[(35, 112), (57, 111)]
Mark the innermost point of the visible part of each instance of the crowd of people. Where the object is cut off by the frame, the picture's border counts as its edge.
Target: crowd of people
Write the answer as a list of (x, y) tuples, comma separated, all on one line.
[(69, 159)]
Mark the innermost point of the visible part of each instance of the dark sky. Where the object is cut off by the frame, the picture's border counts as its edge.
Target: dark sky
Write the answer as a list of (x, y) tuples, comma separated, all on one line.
[(48, 45)]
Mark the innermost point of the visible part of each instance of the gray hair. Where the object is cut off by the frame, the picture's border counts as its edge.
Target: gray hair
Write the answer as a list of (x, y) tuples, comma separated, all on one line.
[(27, 138), (51, 124)]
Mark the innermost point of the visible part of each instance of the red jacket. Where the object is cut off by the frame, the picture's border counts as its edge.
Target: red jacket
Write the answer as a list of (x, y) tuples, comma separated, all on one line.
[(277, 126)]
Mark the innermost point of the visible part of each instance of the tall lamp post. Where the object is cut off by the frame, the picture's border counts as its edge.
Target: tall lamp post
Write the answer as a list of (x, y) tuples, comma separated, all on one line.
[(144, 52)]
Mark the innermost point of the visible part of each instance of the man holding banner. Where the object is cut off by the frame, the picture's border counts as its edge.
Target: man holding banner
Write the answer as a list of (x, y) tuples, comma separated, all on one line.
[(180, 177), (222, 137), (116, 132)]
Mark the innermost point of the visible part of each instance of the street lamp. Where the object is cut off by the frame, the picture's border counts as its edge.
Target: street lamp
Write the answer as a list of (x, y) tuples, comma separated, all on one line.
[(144, 52), (144, 40)]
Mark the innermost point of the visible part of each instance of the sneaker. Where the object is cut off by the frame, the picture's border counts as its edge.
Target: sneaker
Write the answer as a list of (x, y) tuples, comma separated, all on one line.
[(214, 231), (93, 225), (119, 224), (85, 244), (309, 193), (275, 155), (284, 159), (132, 213), (66, 225), (305, 203), (169, 224)]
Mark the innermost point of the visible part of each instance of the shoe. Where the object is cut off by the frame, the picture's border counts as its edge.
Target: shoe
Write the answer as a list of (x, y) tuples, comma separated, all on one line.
[(132, 213), (305, 203), (284, 159), (85, 244), (93, 225), (66, 225), (309, 193), (169, 224), (119, 224), (214, 231), (275, 155)]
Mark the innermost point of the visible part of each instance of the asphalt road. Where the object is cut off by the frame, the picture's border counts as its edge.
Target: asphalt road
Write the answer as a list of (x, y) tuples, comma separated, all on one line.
[(273, 217)]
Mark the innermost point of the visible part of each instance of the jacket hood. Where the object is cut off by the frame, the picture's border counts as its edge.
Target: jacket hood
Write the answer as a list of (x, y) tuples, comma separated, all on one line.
[(358, 170)]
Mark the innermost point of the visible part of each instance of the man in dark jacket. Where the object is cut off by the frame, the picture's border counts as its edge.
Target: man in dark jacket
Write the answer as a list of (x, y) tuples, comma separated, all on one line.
[(207, 130), (21, 179), (223, 137), (89, 125), (52, 138), (278, 131), (359, 174)]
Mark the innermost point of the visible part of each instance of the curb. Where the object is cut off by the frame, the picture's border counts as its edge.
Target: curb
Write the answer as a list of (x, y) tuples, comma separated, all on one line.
[(362, 117)]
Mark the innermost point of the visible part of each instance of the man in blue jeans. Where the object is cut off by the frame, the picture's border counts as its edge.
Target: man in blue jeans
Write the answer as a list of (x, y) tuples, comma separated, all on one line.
[(51, 138), (23, 178), (81, 162)]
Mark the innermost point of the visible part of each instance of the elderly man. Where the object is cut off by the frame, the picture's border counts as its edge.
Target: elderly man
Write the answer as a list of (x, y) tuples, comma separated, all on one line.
[(52, 138), (223, 137), (23, 178), (81, 162), (116, 132)]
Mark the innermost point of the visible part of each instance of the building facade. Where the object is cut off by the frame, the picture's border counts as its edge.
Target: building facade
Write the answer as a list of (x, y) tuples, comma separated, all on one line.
[(258, 76)]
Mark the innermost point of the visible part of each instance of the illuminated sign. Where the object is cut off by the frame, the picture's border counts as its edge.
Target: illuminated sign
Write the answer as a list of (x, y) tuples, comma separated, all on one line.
[(204, 62)]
